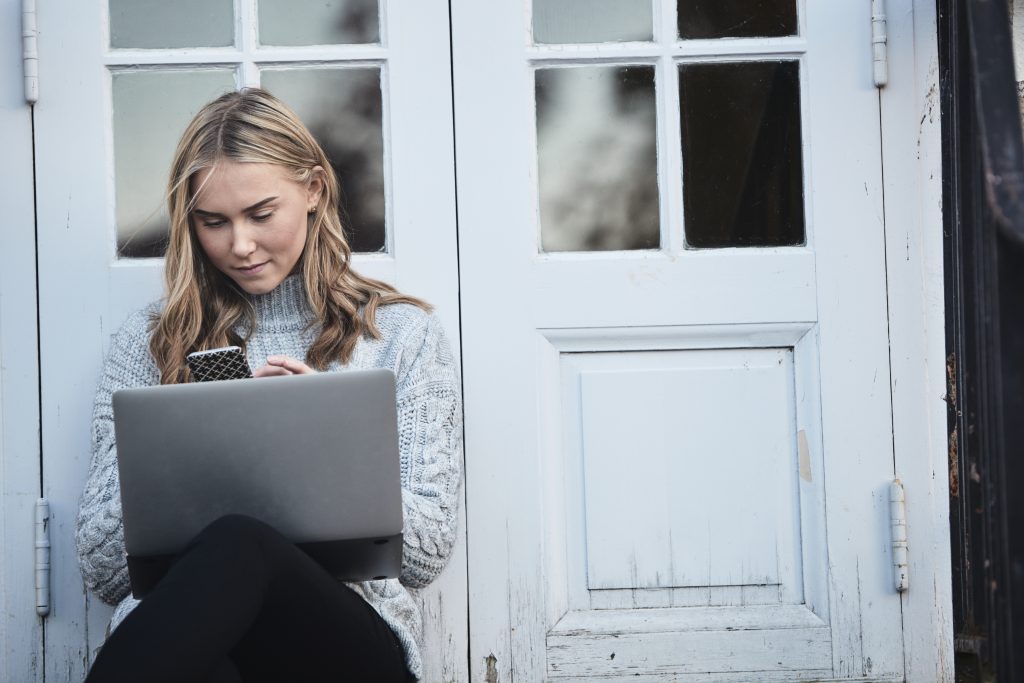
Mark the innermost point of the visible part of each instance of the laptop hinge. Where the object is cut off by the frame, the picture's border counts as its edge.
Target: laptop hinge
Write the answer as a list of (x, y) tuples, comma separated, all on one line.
[(42, 557)]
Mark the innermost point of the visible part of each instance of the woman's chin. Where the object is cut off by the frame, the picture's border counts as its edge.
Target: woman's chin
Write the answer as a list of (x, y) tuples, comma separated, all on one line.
[(257, 285)]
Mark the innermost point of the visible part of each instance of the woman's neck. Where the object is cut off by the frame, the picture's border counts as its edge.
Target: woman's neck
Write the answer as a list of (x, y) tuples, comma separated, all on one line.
[(286, 306)]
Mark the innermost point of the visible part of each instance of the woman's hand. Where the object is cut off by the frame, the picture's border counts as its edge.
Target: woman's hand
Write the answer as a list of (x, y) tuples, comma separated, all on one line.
[(283, 365)]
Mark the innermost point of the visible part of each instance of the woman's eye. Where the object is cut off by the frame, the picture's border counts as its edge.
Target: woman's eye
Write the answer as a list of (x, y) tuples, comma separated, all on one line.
[(212, 224), (260, 217)]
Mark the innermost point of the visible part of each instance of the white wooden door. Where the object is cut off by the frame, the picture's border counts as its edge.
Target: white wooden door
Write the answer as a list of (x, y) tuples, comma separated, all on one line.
[(678, 419), (122, 79)]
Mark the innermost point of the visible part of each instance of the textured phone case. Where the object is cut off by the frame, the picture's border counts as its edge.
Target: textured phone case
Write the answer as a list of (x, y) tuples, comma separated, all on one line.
[(219, 364)]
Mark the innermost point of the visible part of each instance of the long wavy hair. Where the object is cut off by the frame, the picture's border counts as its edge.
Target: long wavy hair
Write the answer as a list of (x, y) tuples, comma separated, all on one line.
[(204, 308)]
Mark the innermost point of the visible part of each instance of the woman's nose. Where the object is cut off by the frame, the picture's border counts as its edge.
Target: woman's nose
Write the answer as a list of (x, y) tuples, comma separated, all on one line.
[(242, 243)]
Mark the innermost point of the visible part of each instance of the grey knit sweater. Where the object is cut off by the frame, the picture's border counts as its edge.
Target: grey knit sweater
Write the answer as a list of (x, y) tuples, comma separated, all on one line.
[(412, 344)]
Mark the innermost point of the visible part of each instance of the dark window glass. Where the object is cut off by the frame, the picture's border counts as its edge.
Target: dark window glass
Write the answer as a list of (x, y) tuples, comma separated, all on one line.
[(597, 158), (150, 109), (162, 24), (318, 22), (343, 109), (736, 18), (742, 159)]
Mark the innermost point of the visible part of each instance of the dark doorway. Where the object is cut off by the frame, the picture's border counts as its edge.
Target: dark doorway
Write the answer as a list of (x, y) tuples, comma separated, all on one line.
[(983, 169)]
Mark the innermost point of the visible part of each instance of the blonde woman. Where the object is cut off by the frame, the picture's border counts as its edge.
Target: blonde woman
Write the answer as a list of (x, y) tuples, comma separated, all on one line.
[(257, 258)]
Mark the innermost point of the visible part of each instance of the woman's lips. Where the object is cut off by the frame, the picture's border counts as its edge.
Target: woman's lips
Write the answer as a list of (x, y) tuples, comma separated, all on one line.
[(252, 270)]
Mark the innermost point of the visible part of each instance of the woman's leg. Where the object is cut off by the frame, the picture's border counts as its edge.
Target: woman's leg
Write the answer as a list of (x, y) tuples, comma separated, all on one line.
[(241, 590)]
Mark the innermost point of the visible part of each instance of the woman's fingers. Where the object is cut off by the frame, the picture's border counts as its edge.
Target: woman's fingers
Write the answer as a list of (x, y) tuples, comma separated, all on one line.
[(289, 365), (270, 371)]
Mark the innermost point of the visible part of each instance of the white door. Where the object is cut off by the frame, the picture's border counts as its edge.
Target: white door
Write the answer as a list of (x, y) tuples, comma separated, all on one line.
[(122, 78), (678, 419)]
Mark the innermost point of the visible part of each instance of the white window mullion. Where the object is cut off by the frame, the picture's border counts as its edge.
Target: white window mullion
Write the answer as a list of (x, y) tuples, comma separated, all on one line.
[(670, 171), (247, 32)]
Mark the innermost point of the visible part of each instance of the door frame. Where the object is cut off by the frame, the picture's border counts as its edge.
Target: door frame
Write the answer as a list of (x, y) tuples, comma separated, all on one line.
[(912, 164), (21, 630)]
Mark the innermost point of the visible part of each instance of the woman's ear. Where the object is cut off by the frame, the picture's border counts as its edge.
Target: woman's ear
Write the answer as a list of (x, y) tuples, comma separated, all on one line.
[(315, 187)]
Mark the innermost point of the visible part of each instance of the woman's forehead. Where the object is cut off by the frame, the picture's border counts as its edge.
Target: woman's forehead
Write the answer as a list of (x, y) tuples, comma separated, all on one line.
[(233, 180)]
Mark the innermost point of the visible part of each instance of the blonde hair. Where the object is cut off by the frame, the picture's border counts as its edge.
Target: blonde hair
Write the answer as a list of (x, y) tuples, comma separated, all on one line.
[(204, 308)]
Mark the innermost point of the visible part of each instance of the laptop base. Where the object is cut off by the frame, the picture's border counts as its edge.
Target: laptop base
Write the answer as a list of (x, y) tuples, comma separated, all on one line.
[(361, 559)]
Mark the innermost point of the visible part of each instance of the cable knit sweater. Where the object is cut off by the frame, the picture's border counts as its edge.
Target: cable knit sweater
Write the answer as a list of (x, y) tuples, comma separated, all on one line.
[(412, 344)]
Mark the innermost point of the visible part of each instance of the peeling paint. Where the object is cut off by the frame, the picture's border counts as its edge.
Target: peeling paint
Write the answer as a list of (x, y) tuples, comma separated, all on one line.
[(492, 669), (805, 457)]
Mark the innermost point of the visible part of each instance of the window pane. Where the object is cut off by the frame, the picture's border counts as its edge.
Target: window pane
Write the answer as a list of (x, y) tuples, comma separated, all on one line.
[(162, 24), (151, 109), (742, 157), (736, 18), (591, 21), (318, 22), (342, 107), (596, 131)]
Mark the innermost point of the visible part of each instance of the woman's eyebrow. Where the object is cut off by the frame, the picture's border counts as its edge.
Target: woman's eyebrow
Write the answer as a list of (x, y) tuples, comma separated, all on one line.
[(258, 205)]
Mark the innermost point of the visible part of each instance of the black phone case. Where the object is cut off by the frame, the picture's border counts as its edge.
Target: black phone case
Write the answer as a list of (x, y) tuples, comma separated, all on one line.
[(219, 364)]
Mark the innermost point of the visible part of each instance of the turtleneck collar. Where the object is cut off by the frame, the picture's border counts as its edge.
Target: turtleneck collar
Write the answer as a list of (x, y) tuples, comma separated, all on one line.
[(284, 307)]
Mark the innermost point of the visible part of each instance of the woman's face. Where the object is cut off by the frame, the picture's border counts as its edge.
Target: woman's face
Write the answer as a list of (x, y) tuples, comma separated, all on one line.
[(251, 220)]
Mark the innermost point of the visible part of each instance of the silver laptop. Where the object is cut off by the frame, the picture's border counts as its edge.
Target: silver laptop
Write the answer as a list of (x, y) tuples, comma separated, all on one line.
[(315, 456)]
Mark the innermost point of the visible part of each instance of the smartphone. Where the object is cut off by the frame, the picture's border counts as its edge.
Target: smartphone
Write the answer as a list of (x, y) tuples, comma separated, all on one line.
[(227, 362)]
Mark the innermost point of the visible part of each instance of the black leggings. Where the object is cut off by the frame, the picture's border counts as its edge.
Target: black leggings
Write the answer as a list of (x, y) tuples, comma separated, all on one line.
[(242, 603)]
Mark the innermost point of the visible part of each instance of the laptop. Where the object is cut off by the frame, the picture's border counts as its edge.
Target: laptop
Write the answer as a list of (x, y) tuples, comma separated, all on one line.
[(314, 456)]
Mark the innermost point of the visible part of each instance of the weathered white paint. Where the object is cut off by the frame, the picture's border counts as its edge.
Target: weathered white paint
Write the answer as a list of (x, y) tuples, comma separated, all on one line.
[(86, 293), (20, 629), (651, 432), (527, 425), (819, 676), (683, 652), (913, 214)]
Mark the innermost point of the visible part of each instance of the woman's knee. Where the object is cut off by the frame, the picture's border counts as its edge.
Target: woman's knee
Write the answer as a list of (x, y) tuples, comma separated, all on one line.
[(235, 529)]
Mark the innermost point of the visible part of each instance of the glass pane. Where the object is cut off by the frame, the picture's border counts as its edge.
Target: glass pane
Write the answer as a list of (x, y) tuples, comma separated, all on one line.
[(742, 157), (318, 22), (736, 18), (151, 109), (182, 23), (342, 107), (591, 21), (597, 158)]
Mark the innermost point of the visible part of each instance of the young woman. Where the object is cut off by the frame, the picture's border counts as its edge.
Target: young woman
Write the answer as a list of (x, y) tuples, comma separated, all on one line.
[(257, 258)]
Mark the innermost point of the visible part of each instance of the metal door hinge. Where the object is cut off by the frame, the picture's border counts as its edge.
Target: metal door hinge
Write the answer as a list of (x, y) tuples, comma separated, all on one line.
[(42, 557), (879, 43), (898, 520), (30, 52)]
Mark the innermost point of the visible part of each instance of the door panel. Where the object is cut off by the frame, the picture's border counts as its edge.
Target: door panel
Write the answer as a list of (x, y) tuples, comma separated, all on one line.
[(120, 93), (678, 415)]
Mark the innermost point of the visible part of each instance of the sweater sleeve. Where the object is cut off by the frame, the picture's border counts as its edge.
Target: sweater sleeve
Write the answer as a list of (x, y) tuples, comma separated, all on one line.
[(99, 534), (430, 435)]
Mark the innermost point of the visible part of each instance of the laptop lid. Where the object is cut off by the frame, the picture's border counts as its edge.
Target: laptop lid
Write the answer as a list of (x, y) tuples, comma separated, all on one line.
[(314, 456)]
